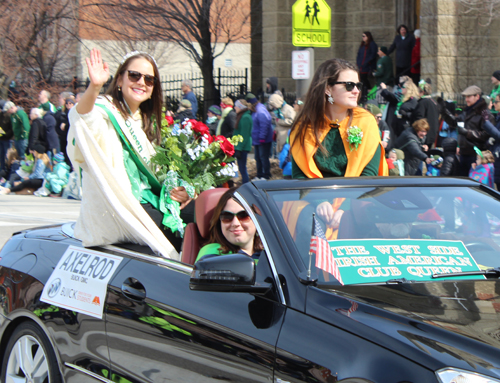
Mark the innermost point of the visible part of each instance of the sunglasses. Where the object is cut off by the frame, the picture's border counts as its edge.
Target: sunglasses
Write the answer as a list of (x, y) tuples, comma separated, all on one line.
[(349, 85), (136, 76), (228, 216)]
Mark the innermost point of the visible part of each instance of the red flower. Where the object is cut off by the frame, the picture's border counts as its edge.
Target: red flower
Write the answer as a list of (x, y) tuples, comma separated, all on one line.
[(226, 146), (193, 123), (219, 138), (209, 138), (223, 164), (170, 120), (201, 128)]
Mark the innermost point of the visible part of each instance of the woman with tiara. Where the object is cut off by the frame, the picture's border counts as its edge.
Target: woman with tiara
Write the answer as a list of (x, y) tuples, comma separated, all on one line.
[(110, 141)]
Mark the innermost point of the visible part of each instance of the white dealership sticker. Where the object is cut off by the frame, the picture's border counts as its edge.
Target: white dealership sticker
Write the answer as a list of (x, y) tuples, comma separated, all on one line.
[(79, 281)]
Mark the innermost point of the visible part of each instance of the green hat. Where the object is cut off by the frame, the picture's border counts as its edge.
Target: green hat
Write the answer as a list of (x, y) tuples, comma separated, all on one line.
[(373, 109), (251, 98)]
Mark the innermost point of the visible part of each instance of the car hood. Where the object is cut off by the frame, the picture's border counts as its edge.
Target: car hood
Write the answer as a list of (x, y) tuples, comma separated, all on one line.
[(438, 324)]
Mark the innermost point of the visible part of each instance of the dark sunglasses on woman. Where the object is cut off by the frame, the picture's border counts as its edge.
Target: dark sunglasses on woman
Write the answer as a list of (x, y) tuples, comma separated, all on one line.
[(228, 216), (136, 76), (349, 85)]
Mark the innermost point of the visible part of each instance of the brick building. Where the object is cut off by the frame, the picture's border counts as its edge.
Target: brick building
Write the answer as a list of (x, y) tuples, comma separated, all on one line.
[(457, 50)]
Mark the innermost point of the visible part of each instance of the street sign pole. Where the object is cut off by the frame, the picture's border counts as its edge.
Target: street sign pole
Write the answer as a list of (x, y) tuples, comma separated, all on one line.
[(311, 27), (302, 85)]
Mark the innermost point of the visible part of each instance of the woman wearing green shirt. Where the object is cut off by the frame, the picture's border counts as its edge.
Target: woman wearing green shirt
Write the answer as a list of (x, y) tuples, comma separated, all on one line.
[(231, 230)]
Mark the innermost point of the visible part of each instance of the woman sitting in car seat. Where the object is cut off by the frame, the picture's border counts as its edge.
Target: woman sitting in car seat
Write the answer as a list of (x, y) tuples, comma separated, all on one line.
[(231, 230)]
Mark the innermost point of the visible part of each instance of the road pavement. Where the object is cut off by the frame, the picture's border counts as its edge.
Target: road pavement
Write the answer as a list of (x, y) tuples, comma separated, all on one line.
[(19, 212)]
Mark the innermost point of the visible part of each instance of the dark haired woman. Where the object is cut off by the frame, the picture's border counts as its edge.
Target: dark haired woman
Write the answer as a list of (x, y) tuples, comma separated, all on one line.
[(231, 230), (110, 140), (366, 61), (319, 138), (332, 136), (404, 43)]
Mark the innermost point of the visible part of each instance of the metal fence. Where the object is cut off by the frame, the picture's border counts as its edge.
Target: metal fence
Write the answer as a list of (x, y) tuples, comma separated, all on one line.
[(228, 83)]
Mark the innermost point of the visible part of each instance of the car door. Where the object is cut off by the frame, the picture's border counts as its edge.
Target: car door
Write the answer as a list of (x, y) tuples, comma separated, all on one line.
[(160, 330)]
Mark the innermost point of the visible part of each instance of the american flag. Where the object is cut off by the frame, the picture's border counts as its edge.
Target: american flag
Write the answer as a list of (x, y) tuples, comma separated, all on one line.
[(324, 257), (354, 307)]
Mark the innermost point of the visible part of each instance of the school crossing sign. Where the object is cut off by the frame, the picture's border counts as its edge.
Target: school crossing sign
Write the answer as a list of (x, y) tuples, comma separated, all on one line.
[(311, 22)]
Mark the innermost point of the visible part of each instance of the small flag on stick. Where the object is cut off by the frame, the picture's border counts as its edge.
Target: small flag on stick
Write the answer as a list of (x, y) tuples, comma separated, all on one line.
[(324, 257)]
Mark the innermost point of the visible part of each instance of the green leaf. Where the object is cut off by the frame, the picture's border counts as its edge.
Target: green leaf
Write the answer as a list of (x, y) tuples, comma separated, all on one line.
[(183, 138)]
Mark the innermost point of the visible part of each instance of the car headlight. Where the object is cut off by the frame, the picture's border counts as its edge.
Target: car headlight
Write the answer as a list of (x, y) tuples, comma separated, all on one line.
[(456, 375)]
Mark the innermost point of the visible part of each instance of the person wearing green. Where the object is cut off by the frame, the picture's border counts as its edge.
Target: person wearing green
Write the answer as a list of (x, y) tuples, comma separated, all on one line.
[(495, 80), (45, 104), (110, 145), (20, 126), (231, 230), (243, 128), (384, 73)]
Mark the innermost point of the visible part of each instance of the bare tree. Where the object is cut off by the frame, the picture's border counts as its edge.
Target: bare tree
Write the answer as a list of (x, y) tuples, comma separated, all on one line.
[(53, 55), (203, 28), (115, 49), (31, 36), (486, 9)]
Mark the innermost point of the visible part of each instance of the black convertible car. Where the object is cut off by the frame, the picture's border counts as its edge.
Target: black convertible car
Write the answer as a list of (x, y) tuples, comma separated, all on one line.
[(419, 262)]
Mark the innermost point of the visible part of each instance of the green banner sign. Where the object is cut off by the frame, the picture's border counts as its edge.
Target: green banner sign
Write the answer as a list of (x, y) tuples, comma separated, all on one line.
[(379, 260)]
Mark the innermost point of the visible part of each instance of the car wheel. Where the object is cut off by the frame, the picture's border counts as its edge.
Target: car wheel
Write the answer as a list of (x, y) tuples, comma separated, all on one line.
[(29, 357)]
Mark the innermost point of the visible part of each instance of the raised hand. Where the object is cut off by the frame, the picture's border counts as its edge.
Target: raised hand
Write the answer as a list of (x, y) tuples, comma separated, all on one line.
[(98, 74), (98, 69)]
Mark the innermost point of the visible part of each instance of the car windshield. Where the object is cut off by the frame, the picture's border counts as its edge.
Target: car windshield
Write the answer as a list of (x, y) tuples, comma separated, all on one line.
[(378, 234)]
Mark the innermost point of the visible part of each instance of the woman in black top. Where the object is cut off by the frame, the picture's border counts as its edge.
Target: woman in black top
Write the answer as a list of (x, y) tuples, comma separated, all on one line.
[(404, 43)]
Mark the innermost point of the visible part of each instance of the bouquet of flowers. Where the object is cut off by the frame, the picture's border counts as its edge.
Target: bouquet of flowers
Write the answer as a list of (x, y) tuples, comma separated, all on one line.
[(189, 156), (189, 153)]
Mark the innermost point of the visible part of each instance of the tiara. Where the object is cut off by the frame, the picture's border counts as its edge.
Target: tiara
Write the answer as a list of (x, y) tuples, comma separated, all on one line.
[(135, 53)]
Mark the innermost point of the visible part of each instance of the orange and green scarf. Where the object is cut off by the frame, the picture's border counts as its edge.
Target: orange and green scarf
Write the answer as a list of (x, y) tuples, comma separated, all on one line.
[(357, 159)]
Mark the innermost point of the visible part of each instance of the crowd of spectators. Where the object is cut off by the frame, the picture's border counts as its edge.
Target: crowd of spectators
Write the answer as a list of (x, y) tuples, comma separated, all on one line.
[(421, 134), (427, 134), (33, 158)]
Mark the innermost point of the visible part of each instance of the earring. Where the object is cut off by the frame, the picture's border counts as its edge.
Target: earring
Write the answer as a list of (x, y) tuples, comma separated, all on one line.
[(330, 98), (119, 89)]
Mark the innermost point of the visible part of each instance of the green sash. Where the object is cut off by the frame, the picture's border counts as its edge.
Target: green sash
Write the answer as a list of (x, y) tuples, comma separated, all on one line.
[(144, 184), (138, 161)]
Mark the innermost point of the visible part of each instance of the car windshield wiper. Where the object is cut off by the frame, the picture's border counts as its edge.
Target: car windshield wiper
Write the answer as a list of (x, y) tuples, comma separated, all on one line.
[(492, 273), (399, 281)]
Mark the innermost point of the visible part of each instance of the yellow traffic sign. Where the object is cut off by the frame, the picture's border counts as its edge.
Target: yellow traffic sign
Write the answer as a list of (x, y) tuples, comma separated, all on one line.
[(312, 23)]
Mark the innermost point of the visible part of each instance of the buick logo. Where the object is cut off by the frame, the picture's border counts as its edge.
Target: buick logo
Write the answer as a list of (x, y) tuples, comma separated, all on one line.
[(54, 288)]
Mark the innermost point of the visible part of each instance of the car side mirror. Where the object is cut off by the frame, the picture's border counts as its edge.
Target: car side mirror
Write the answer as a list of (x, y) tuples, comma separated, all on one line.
[(228, 273)]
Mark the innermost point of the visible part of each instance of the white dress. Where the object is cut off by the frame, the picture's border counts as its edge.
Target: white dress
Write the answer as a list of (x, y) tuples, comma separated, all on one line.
[(109, 212)]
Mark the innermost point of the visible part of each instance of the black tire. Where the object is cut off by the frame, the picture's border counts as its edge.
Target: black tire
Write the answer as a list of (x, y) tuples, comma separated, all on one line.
[(30, 339)]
